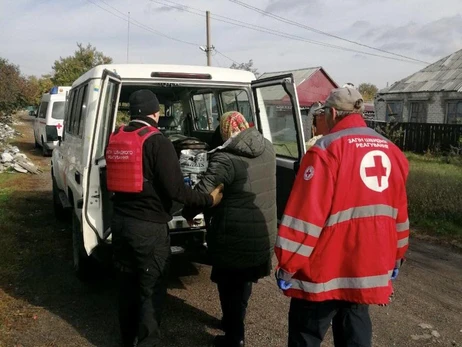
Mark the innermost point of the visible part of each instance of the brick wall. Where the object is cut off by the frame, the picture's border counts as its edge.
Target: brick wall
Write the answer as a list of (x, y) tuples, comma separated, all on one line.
[(436, 104)]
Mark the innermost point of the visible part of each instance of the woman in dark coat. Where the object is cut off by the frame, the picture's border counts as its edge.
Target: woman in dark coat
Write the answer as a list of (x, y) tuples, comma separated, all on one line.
[(242, 229)]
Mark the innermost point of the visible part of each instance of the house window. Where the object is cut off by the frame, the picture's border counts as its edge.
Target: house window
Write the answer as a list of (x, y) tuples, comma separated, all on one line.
[(394, 111), (418, 112), (454, 112)]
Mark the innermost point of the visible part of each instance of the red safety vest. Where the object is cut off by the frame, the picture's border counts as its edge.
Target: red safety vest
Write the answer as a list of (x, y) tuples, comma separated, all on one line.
[(124, 159), (345, 226)]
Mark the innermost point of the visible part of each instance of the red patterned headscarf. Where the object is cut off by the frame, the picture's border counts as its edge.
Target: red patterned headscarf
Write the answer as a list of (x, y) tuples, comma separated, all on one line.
[(232, 123)]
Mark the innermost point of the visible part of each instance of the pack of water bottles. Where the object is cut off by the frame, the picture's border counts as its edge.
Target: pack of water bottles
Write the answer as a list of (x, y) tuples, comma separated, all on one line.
[(193, 164)]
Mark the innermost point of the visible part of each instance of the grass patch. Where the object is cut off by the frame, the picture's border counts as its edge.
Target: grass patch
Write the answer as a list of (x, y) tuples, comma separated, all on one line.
[(435, 195), (5, 194)]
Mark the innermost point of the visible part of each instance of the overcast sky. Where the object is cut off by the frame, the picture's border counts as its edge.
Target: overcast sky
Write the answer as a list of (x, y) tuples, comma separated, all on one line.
[(34, 33)]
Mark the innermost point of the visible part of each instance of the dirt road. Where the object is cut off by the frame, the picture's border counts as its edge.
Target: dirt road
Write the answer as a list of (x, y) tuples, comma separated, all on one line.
[(43, 304)]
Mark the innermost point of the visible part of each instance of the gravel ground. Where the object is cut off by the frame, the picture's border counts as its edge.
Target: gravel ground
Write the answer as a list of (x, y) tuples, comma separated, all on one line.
[(43, 304)]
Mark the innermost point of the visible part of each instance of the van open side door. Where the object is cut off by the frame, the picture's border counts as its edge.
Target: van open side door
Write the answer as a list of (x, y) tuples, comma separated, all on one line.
[(96, 208), (279, 120)]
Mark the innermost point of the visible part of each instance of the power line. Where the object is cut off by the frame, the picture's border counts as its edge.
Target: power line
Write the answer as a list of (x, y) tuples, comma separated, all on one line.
[(136, 23), (271, 31), (226, 56), (291, 22)]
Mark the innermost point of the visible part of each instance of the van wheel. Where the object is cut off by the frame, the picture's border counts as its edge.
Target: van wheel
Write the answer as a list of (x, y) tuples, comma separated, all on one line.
[(45, 152), (61, 214), (83, 264)]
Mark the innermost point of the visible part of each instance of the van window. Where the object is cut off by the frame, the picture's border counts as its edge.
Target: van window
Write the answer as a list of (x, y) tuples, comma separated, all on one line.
[(82, 111), (43, 110), (77, 111), (237, 100), (71, 105), (281, 120), (107, 117), (57, 112), (206, 112)]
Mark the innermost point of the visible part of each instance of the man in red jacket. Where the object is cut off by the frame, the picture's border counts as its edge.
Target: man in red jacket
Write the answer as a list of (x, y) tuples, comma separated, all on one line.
[(345, 229)]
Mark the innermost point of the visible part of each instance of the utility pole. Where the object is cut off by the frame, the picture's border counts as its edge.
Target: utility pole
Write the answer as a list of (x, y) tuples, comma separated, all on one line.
[(209, 46), (128, 36)]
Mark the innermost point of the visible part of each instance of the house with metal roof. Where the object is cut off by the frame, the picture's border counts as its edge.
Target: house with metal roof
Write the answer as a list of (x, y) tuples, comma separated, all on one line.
[(431, 95)]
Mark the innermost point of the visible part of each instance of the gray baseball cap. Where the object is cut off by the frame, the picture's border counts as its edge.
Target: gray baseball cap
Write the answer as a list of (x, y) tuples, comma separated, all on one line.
[(345, 99)]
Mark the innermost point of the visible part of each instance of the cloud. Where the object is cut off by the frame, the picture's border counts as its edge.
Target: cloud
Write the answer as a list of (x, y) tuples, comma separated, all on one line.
[(434, 39), (361, 24), (172, 8), (399, 46), (278, 6)]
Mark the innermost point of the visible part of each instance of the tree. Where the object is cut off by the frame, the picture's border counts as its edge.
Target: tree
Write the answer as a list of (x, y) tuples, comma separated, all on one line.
[(35, 88), (245, 66), (67, 70), (368, 91), (12, 88)]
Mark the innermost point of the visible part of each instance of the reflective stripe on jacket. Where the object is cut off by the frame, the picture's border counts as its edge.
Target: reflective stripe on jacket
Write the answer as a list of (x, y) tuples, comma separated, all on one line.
[(346, 225)]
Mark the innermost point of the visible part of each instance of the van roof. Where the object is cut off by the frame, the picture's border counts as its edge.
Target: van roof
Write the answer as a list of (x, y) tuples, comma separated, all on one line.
[(143, 71)]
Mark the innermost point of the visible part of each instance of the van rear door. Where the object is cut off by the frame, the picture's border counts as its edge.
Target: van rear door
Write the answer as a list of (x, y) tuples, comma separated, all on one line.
[(279, 120), (96, 210)]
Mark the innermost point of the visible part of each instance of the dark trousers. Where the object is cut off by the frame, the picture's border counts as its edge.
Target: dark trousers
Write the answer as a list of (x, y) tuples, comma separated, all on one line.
[(142, 255), (234, 297), (309, 322)]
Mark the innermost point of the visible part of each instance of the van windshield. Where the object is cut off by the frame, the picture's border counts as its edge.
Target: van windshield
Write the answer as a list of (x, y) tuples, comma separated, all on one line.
[(58, 110)]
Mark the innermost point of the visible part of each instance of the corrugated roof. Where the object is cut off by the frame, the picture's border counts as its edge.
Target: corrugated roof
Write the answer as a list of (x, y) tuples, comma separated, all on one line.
[(445, 74), (277, 92)]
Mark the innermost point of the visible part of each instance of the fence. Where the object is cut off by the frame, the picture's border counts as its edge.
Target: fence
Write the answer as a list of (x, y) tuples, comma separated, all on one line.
[(420, 137)]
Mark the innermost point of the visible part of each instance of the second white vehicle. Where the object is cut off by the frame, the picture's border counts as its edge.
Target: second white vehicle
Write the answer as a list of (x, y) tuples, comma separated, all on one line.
[(48, 125)]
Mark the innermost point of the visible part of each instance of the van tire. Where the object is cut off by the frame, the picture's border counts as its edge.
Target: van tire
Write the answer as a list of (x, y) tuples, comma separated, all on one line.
[(84, 265), (61, 213), (45, 151)]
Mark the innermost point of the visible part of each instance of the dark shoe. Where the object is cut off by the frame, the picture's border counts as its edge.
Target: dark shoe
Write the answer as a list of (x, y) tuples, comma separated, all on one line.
[(223, 341)]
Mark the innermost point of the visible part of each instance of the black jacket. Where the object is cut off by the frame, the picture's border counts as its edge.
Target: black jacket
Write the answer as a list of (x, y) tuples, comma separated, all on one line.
[(165, 182), (242, 229)]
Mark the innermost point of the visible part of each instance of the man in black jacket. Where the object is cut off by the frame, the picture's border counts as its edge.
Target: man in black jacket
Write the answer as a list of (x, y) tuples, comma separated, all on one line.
[(139, 227)]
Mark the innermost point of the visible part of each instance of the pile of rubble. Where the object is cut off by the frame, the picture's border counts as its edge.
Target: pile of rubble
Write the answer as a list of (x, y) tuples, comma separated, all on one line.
[(11, 159), (6, 133)]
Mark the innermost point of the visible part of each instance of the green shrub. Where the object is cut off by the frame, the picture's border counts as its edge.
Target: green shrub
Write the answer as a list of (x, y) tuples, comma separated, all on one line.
[(435, 195)]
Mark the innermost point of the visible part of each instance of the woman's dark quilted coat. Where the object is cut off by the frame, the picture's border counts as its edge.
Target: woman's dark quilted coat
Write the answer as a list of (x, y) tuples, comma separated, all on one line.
[(242, 229)]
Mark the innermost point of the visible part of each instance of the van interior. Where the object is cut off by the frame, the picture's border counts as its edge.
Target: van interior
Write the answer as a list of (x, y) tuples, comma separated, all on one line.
[(190, 111), (186, 111)]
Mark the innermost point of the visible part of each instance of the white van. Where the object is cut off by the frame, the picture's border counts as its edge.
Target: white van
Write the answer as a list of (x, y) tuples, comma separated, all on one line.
[(192, 99), (48, 125)]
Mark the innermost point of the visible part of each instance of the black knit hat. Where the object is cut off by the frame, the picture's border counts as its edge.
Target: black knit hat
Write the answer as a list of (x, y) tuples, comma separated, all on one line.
[(143, 103)]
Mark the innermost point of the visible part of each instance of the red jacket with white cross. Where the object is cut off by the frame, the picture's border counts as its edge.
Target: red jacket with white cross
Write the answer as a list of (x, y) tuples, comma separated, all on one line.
[(346, 226)]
